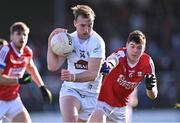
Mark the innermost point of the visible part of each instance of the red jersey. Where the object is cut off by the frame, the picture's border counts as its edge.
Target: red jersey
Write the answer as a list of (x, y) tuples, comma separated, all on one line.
[(14, 65), (121, 81)]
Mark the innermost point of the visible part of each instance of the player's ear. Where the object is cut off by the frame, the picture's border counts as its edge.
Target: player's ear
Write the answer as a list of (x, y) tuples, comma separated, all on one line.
[(144, 47), (11, 36), (127, 44), (75, 22)]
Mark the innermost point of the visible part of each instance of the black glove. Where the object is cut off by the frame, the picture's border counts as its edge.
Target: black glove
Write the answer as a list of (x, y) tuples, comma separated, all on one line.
[(25, 79), (150, 81), (105, 69), (46, 93)]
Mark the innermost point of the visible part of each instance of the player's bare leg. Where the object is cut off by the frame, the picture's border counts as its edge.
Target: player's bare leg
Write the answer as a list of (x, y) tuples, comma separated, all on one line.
[(69, 107), (81, 121), (22, 117), (98, 116)]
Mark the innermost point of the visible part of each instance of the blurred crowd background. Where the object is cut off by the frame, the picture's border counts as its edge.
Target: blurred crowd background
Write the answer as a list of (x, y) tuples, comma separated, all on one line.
[(115, 19)]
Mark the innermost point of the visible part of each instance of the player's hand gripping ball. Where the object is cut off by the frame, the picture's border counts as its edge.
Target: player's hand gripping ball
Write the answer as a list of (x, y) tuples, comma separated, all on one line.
[(62, 44)]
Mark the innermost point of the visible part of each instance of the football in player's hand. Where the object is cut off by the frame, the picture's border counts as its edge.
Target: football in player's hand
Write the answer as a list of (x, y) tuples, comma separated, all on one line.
[(62, 44)]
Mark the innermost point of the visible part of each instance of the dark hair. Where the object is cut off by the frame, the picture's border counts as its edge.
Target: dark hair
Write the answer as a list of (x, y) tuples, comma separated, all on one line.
[(137, 36), (84, 11), (19, 26)]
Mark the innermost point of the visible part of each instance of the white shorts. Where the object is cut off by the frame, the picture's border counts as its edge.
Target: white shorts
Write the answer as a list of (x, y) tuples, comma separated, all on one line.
[(9, 109), (114, 114), (87, 101)]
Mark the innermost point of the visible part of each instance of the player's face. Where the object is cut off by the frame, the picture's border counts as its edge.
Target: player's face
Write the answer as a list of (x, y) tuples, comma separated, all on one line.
[(134, 51), (83, 26), (19, 38)]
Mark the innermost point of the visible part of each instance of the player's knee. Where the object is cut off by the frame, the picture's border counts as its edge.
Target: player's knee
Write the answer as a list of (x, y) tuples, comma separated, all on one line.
[(22, 117)]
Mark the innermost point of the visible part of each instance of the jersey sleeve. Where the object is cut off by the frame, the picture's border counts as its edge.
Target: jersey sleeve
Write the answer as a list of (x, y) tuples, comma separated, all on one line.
[(29, 51), (3, 54), (114, 57)]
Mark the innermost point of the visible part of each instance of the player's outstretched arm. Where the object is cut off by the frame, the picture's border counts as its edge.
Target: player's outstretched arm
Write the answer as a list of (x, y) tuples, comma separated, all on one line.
[(4, 79), (46, 93), (151, 86), (47, 96)]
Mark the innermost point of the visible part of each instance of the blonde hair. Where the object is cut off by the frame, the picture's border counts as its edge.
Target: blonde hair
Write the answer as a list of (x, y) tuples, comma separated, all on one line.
[(19, 26), (84, 11)]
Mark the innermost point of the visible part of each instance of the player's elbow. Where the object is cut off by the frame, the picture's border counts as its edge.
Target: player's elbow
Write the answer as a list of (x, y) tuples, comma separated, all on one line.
[(52, 68), (94, 76)]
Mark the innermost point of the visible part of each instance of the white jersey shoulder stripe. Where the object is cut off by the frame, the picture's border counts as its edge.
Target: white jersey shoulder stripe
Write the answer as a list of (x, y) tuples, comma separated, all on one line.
[(3, 53), (120, 54), (114, 57)]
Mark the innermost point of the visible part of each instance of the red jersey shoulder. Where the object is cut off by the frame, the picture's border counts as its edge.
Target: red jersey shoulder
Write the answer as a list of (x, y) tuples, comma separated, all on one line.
[(28, 51), (145, 58), (147, 62)]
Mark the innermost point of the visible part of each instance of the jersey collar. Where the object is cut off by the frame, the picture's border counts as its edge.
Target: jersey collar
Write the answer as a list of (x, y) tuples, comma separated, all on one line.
[(15, 50)]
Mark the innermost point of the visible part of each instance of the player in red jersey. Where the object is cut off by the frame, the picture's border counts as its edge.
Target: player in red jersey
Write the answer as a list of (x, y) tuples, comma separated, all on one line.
[(125, 69), (15, 59)]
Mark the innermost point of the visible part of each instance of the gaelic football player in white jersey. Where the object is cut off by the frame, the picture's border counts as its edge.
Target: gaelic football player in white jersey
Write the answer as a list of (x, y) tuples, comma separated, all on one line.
[(82, 79), (125, 69)]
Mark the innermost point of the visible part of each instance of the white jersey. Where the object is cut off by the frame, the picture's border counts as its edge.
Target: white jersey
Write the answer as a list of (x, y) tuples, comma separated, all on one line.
[(93, 47)]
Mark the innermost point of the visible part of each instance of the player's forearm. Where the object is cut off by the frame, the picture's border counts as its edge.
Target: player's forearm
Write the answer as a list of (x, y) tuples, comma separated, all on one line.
[(90, 75), (35, 76), (8, 80), (93, 71), (86, 76), (38, 80), (152, 94), (53, 61)]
